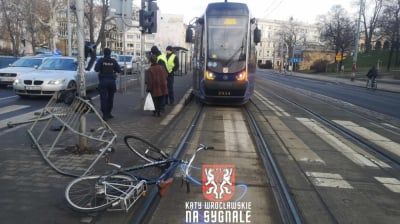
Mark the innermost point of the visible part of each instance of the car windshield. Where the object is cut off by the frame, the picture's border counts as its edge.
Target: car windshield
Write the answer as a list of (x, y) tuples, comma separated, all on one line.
[(124, 58), (6, 61), (66, 64), (27, 62)]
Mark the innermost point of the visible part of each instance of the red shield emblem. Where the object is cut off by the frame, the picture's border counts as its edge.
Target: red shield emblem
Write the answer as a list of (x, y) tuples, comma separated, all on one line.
[(218, 181)]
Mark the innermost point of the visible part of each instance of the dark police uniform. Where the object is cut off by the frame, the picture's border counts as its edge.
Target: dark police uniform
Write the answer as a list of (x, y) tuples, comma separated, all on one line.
[(106, 67)]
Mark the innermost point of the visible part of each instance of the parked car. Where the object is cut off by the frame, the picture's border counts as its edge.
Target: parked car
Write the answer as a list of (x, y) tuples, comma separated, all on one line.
[(55, 74), (131, 65), (5, 61), (22, 65)]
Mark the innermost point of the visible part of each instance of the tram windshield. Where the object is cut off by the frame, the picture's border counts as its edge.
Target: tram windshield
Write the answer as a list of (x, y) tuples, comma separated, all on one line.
[(227, 38)]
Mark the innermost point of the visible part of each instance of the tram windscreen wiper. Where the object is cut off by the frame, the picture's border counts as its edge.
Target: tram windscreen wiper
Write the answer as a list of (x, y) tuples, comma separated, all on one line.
[(242, 56)]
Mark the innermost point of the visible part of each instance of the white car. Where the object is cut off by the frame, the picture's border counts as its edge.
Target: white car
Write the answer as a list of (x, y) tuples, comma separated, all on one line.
[(129, 61), (55, 74), (22, 65)]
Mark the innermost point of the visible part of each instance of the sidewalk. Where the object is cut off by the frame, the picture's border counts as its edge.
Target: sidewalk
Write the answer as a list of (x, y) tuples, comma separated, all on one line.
[(32, 192), (390, 85)]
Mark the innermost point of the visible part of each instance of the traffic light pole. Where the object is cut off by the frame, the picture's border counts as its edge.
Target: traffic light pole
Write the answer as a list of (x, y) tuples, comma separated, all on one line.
[(143, 56)]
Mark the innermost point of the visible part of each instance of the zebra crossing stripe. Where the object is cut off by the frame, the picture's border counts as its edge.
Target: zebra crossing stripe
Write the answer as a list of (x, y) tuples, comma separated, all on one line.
[(337, 144), (392, 184), (278, 110), (328, 180), (11, 108), (376, 138)]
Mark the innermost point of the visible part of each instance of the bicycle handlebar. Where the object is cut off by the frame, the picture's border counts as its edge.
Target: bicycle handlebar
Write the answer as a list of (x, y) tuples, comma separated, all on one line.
[(201, 147)]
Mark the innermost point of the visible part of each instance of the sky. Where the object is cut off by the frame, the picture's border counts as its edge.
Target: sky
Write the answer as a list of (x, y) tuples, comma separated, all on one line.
[(301, 10)]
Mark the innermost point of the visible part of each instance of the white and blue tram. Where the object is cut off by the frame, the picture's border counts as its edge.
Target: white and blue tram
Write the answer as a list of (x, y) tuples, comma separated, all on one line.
[(224, 53)]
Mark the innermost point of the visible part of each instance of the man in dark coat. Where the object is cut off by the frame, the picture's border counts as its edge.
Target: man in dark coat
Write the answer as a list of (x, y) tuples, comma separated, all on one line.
[(106, 66), (156, 80)]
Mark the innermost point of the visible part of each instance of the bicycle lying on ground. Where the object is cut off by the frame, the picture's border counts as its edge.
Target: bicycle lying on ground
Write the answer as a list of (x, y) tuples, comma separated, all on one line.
[(121, 188), (371, 84)]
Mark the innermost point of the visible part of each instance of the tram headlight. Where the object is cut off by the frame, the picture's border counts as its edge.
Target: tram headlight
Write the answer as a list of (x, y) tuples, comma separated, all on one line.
[(209, 75), (242, 76)]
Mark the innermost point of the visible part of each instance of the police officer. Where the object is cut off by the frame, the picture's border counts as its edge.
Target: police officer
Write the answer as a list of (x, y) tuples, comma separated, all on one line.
[(172, 66), (106, 67)]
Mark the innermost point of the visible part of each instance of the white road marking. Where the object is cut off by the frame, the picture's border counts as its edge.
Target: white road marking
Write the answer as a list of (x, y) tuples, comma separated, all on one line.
[(11, 108), (392, 184), (16, 119), (391, 126), (376, 138), (277, 110), (339, 145), (328, 180), (298, 149), (235, 132)]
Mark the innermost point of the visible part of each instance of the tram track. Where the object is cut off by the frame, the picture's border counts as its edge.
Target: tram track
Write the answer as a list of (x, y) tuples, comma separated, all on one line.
[(285, 196), (204, 120), (148, 206), (366, 145), (293, 119), (287, 207)]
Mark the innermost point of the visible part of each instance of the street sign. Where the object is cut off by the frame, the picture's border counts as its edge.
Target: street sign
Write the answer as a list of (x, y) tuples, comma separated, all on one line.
[(295, 60), (338, 57), (297, 49), (121, 8)]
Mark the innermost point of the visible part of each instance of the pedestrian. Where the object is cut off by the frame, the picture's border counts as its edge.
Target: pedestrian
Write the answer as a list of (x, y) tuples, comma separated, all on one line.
[(161, 58), (172, 66), (107, 67), (372, 74), (156, 80)]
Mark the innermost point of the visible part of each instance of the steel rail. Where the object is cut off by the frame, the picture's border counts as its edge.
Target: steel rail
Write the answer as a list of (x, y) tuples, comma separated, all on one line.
[(364, 144), (287, 207), (149, 205)]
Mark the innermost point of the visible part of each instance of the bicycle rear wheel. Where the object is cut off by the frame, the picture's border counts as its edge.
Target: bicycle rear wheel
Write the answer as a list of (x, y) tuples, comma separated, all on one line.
[(144, 149), (97, 193)]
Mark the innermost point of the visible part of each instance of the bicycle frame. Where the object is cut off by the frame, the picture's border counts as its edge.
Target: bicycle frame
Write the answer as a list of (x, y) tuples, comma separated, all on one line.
[(128, 199)]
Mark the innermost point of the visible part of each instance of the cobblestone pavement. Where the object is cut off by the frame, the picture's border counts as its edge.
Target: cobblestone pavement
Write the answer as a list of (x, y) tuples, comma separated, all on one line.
[(32, 192)]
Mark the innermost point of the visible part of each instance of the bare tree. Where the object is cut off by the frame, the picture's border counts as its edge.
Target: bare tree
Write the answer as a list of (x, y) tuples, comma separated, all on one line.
[(34, 30), (338, 30), (389, 25), (292, 34), (13, 21), (370, 22)]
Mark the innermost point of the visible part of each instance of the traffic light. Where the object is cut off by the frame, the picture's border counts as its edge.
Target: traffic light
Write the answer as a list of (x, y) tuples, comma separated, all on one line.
[(148, 19)]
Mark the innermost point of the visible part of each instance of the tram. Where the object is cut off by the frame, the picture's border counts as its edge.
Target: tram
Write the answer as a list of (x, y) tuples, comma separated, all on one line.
[(224, 53)]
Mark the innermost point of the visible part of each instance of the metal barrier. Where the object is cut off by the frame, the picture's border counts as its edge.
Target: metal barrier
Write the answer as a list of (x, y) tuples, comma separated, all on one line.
[(63, 140)]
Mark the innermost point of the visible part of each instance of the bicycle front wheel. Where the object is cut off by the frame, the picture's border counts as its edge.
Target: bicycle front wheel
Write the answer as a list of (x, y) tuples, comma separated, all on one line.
[(144, 149), (97, 193)]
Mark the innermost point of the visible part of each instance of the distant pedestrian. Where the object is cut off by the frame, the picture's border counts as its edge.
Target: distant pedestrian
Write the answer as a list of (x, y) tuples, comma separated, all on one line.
[(372, 74), (172, 66), (156, 80), (107, 66)]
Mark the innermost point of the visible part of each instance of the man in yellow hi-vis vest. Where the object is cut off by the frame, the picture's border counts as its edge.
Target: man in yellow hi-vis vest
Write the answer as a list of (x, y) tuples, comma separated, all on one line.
[(172, 66)]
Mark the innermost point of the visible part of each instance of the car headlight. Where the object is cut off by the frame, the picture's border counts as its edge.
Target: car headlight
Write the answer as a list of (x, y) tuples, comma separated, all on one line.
[(56, 82), (17, 81)]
